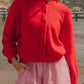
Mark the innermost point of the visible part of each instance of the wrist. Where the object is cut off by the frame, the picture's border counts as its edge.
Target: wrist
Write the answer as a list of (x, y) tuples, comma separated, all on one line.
[(14, 60)]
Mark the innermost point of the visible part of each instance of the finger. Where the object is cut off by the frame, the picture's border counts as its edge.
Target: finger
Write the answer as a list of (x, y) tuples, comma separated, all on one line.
[(26, 66)]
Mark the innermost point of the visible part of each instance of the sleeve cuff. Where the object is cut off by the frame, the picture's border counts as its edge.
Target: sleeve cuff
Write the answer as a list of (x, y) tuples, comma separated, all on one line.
[(9, 58), (74, 82)]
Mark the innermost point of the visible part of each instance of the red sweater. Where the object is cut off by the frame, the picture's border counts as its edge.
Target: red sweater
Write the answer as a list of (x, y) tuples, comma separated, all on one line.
[(40, 31)]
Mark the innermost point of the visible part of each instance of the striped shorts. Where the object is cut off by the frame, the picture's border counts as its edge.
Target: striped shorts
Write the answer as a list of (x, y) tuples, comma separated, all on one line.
[(44, 73)]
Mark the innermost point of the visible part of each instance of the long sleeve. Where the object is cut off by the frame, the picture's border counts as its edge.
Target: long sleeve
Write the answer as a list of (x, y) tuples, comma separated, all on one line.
[(9, 37), (67, 38)]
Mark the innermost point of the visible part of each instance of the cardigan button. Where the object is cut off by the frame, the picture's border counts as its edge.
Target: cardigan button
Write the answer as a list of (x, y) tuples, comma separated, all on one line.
[(19, 34), (43, 33), (44, 21), (46, 1), (42, 44), (44, 9)]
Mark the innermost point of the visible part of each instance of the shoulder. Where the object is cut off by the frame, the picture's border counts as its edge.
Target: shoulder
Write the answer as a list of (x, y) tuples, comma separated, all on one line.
[(65, 9), (65, 13), (14, 7)]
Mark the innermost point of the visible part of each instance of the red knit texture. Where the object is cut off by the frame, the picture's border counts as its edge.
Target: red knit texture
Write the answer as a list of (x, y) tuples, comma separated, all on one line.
[(40, 31)]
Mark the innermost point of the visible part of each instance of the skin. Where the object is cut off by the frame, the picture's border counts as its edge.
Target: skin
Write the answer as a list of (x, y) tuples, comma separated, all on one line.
[(18, 65)]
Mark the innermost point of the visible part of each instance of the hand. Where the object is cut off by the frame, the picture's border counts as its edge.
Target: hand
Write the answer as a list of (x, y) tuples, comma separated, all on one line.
[(18, 65)]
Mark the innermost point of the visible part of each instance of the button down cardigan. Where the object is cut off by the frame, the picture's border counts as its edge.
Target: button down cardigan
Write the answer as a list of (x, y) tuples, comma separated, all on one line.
[(40, 31)]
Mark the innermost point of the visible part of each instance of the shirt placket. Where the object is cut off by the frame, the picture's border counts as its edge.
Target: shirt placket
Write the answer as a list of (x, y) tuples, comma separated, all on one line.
[(43, 28)]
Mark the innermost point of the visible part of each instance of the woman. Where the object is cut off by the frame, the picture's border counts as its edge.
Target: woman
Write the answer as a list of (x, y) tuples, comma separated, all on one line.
[(43, 31)]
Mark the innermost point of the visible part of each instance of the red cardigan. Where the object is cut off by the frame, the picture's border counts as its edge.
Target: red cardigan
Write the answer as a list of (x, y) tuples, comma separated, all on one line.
[(40, 31)]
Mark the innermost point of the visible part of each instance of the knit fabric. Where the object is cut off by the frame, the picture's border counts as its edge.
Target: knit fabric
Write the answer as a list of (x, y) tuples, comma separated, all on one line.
[(40, 31)]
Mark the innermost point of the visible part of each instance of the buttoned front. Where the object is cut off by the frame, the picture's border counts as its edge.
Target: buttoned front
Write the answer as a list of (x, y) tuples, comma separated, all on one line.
[(40, 31)]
